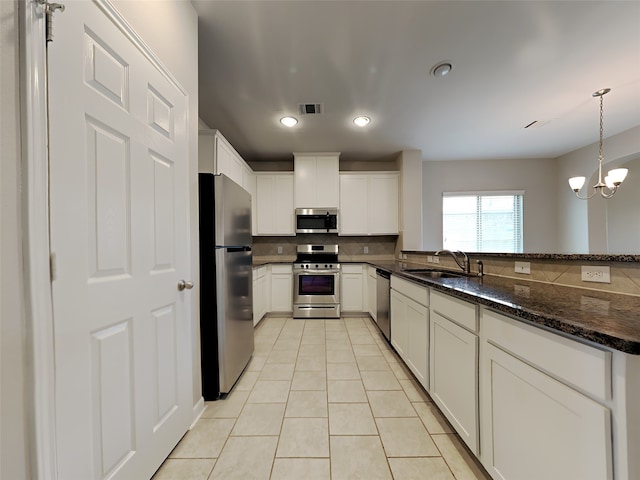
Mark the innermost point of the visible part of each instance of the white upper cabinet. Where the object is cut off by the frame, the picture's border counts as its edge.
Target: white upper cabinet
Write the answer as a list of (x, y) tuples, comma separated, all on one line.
[(316, 180), (368, 204), (216, 155), (274, 204)]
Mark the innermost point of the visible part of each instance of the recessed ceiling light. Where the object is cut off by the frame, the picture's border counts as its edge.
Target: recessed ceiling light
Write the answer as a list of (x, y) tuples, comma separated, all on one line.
[(362, 121), (289, 121), (441, 69)]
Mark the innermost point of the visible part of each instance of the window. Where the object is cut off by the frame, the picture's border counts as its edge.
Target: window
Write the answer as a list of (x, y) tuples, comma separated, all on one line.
[(482, 222)]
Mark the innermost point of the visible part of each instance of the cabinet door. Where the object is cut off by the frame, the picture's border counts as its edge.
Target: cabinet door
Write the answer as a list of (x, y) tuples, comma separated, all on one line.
[(383, 204), (265, 204), (399, 324), (281, 292), (228, 164), (417, 318), (371, 286), (540, 428), (284, 211), (454, 376), (352, 291), (353, 205), (274, 204), (305, 182), (327, 181)]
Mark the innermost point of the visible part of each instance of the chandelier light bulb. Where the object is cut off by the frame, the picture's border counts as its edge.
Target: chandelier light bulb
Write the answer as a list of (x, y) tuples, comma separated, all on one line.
[(608, 186), (576, 183)]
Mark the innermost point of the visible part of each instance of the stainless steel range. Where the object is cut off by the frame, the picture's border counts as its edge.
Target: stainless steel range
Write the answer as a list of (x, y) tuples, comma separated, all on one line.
[(316, 282)]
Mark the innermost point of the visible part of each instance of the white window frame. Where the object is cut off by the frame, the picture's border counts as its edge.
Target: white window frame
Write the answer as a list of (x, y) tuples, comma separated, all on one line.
[(518, 242)]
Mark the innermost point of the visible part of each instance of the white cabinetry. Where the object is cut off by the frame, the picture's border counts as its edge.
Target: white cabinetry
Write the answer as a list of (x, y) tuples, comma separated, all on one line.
[(216, 155), (260, 292), (372, 292), (274, 204), (453, 362), (352, 286), (536, 422), (410, 326), (281, 288), (316, 180), (369, 204)]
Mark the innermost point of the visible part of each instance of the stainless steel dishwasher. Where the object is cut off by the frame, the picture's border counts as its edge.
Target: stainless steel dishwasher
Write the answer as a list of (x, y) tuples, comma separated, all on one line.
[(383, 302)]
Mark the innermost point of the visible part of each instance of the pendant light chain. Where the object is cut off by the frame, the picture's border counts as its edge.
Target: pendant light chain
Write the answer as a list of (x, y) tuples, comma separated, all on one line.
[(600, 154)]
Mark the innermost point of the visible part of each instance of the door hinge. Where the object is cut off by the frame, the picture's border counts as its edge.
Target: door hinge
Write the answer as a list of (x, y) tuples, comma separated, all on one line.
[(49, 10), (52, 266)]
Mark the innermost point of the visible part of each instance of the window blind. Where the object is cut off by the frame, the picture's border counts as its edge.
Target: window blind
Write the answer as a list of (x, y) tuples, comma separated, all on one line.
[(482, 222)]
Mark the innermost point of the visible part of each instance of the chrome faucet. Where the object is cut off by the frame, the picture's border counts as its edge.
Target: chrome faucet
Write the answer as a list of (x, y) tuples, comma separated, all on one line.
[(464, 264)]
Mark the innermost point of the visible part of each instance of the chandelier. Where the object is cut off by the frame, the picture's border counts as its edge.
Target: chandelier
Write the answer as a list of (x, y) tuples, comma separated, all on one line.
[(607, 187)]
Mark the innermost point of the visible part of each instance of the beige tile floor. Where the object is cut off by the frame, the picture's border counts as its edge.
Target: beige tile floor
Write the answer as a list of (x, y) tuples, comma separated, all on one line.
[(322, 399)]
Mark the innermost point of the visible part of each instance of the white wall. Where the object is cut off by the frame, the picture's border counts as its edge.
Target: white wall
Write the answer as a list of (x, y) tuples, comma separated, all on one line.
[(170, 28), (623, 214), (534, 176), (579, 230), (14, 462)]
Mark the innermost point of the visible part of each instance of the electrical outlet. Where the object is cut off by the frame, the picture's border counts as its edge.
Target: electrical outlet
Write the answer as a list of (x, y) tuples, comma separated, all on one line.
[(404, 256), (279, 249), (523, 267), (596, 273), (366, 249), (522, 290), (436, 259)]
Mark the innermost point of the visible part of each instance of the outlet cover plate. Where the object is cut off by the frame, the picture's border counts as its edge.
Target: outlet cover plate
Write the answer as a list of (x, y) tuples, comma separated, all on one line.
[(596, 273), (366, 249), (523, 267)]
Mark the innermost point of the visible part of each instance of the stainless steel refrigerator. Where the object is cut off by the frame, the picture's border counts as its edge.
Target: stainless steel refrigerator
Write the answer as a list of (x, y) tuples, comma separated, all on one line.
[(226, 283)]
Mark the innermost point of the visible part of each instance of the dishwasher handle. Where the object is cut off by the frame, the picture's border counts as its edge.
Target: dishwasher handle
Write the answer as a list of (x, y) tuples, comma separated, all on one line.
[(383, 273)]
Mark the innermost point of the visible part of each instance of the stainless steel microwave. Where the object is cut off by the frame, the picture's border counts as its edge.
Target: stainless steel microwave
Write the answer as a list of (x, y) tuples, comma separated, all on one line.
[(316, 220)]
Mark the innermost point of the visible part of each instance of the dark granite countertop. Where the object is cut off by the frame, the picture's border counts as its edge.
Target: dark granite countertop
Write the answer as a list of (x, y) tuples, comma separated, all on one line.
[(609, 319)]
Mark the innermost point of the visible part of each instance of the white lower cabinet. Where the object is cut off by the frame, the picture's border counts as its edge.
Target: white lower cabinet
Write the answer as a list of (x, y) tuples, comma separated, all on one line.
[(281, 288), (260, 292), (410, 326), (454, 376), (352, 288), (537, 427), (372, 293), (453, 362), (535, 423)]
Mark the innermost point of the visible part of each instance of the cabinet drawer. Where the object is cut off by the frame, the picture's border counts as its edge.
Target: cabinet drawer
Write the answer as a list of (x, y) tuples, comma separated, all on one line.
[(585, 367), (459, 311), (259, 272), (412, 290), (371, 271), (352, 268), (281, 268)]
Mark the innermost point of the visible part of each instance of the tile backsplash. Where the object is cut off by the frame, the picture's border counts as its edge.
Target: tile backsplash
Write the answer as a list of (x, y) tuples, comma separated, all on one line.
[(625, 276), (265, 249)]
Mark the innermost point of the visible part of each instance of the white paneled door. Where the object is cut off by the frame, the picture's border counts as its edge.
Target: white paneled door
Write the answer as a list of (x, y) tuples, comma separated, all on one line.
[(119, 242)]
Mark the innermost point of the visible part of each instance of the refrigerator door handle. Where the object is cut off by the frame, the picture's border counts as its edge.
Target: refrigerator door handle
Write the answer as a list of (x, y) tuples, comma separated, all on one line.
[(233, 249)]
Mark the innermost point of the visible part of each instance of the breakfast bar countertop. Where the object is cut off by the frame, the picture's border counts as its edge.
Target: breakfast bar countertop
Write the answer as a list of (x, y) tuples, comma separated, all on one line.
[(609, 319)]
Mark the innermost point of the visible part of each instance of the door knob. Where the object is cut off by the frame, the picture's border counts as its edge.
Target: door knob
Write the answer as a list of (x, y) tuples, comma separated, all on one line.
[(182, 284)]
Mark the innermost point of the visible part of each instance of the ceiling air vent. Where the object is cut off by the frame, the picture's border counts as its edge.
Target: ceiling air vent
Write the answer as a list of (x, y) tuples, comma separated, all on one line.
[(310, 108)]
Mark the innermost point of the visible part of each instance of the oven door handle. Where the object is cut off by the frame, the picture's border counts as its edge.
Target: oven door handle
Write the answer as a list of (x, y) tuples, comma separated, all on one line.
[(315, 272)]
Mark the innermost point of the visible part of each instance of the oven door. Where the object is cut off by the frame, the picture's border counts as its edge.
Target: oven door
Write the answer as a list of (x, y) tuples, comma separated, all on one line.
[(316, 287)]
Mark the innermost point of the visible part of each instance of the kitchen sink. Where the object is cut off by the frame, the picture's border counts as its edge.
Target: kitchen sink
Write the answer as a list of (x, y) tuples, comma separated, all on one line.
[(430, 273)]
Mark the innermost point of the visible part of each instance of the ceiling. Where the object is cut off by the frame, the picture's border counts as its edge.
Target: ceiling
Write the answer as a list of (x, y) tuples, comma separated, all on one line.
[(513, 63)]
